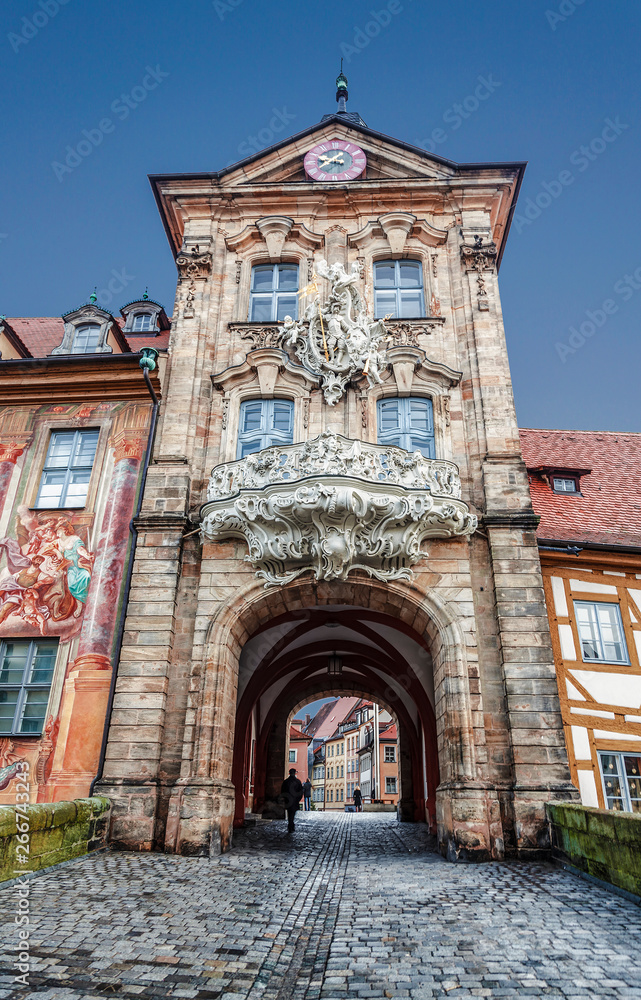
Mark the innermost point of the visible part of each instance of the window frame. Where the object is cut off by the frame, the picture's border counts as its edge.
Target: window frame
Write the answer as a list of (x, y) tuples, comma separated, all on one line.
[(391, 759), (63, 504), (391, 791), (142, 316), (621, 776), (397, 288), (622, 636), (292, 759), (557, 477), (402, 435), (24, 687), (275, 293), (80, 328), (265, 433)]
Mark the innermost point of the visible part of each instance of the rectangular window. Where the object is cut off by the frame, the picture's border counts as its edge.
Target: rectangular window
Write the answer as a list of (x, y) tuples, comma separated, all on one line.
[(407, 423), (67, 469), (292, 756), (263, 423), (390, 786), (26, 672), (398, 289), (601, 632), (273, 295), (390, 755), (562, 485), (621, 774)]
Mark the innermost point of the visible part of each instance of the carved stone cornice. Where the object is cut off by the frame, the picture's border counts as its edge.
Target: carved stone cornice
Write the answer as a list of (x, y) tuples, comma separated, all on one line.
[(405, 332), (419, 229), (258, 334), (332, 505), (275, 231), (270, 365), (194, 261), (479, 256)]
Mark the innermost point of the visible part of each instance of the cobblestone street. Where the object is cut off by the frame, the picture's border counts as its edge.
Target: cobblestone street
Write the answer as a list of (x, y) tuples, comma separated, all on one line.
[(348, 904)]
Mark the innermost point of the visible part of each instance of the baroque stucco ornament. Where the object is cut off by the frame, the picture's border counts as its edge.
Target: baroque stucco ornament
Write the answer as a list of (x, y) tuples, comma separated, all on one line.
[(332, 505), (336, 339)]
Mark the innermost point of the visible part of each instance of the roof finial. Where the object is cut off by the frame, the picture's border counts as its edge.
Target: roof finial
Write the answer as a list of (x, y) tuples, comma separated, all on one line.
[(94, 294), (146, 295), (341, 90)]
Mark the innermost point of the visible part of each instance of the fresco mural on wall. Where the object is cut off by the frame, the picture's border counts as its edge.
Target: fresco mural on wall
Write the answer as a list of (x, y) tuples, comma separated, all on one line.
[(45, 575)]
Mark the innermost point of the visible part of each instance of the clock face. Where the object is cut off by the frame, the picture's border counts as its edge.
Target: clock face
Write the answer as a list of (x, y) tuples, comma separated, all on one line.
[(335, 160)]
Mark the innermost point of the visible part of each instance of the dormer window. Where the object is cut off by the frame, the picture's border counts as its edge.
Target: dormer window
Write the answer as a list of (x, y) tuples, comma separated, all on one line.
[(564, 484), (141, 323), (86, 339)]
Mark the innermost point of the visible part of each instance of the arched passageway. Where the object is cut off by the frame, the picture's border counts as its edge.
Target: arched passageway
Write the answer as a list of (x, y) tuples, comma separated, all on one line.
[(284, 665)]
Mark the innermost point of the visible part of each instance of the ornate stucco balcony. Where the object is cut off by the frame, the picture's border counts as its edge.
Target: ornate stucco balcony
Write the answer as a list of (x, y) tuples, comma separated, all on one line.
[(332, 505)]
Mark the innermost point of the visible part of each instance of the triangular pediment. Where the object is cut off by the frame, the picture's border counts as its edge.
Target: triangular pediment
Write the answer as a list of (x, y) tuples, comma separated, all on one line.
[(387, 159)]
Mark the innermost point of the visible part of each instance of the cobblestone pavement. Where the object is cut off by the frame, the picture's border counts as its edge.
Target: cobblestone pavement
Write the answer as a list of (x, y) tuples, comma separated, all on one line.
[(349, 903)]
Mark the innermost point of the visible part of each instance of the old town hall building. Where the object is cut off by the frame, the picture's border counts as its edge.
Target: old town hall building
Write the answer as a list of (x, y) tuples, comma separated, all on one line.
[(337, 501)]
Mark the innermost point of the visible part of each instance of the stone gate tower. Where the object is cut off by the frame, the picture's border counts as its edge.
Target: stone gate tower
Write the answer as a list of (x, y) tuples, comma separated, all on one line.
[(338, 360)]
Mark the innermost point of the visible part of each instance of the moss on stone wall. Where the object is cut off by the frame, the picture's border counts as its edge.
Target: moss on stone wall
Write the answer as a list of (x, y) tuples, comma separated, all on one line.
[(57, 831), (602, 843)]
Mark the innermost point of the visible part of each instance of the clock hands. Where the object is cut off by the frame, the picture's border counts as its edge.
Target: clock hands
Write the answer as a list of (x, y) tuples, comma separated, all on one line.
[(327, 159)]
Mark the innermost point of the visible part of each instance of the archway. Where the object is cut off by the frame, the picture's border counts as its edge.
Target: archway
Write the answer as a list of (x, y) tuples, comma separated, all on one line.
[(381, 658), (400, 645)]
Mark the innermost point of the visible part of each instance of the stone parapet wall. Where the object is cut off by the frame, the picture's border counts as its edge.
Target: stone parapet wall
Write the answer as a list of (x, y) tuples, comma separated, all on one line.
[(600, 842), (54, 832)]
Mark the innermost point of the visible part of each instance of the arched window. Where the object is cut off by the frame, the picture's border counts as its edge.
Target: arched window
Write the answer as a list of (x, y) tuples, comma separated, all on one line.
[(263, 423), (273, 295), (407, 422), (398, 289), (141, 323), (86, 339)]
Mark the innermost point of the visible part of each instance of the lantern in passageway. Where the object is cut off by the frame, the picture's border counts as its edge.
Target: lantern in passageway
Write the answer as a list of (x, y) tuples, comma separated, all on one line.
[(334, 665)]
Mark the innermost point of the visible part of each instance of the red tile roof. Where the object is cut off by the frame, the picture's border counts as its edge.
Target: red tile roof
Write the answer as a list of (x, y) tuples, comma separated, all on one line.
[(390, 733), (296, 735), (608, 509), (41, 334)]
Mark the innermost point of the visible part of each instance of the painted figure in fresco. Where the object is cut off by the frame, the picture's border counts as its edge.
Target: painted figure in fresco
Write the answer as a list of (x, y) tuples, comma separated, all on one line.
[(47, 574)]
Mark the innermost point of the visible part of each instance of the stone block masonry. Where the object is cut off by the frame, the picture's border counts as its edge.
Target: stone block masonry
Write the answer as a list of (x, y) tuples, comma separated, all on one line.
[(56, 831), (600, 842)]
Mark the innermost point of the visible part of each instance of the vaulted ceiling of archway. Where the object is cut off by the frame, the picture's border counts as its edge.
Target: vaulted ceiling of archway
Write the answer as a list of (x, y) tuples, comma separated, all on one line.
[(290, 654)]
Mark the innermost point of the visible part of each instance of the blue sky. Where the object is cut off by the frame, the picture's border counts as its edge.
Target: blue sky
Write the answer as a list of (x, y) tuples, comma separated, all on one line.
[(185, 85)]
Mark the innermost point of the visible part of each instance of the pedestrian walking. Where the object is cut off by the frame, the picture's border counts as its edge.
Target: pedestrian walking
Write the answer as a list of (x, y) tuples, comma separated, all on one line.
[(358, 799), (292, 792), (307, 795)]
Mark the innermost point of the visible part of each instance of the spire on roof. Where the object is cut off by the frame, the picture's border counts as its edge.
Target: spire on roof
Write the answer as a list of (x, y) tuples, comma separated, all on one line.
[(342, 96)]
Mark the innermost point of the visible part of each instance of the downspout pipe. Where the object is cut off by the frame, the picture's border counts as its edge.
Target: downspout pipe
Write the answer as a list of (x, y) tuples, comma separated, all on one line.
[(120, 630)]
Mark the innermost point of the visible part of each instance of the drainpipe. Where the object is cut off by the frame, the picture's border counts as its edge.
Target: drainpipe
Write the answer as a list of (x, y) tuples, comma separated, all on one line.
[(147, 362)]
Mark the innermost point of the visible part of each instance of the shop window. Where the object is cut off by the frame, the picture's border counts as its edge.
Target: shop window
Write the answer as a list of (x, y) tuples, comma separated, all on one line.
[(26, 672), (408, 423), (601, 632), (67, 469)]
